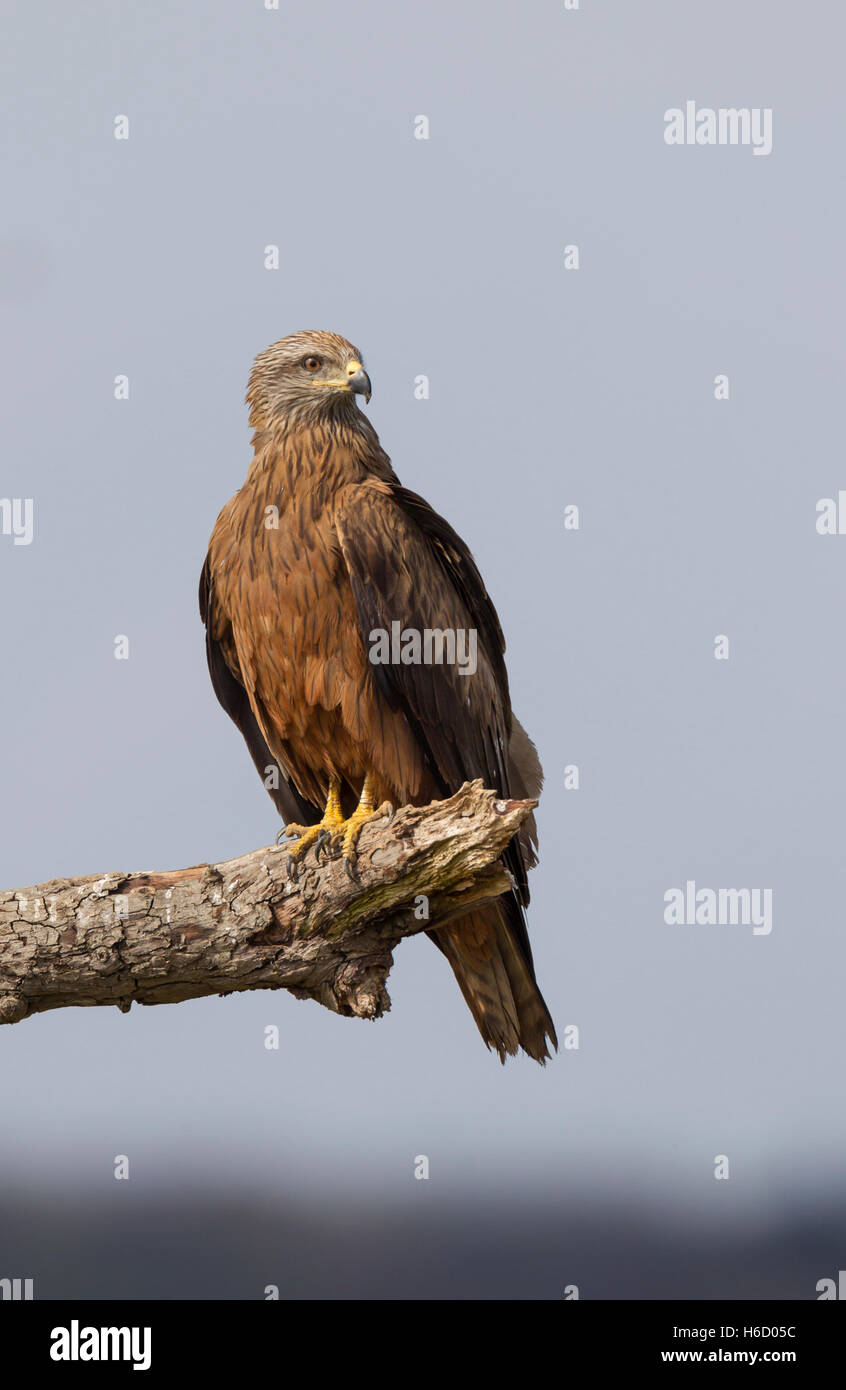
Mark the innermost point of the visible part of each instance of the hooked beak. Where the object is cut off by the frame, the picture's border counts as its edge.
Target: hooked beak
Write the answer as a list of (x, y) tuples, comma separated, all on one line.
[(358, 381)]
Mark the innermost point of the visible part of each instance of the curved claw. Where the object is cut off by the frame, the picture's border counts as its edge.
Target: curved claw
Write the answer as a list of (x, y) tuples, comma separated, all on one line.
[(321, 840), (292, 830)]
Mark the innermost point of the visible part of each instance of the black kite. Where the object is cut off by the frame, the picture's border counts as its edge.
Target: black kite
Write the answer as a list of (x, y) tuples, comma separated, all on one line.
[(321, 548)]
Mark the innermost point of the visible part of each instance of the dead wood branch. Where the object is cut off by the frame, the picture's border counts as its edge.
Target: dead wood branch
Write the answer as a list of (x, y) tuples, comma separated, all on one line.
[(158, 938)]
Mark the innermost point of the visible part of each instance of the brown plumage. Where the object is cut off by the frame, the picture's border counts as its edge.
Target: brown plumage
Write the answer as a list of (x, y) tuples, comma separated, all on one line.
[(319, 549)]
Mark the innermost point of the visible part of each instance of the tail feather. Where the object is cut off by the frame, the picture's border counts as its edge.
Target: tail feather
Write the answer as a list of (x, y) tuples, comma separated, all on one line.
[(489, 950), (497, 981)]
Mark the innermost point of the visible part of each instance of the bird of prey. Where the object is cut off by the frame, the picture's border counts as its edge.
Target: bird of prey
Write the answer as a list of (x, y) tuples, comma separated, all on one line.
[(320, 549)]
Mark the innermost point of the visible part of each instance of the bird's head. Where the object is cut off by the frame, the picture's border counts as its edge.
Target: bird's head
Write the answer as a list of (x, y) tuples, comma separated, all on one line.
[(305, 378)]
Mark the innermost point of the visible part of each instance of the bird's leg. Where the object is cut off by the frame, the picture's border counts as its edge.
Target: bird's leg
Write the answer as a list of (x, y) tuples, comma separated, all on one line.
[(365, 810), (334, 827), (332, 823)]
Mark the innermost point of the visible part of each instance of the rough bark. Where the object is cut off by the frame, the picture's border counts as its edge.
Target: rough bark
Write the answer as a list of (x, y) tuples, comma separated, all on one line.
[(158, 938)]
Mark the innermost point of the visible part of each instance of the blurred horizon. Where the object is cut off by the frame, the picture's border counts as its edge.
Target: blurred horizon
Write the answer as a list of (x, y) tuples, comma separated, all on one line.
[(138, 1244)]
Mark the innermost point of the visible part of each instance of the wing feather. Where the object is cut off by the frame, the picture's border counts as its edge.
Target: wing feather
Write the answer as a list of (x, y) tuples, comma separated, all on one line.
[(407, 564), (232, 695)]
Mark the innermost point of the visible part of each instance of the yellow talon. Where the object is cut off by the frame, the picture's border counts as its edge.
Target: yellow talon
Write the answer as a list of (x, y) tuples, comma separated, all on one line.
[(335, 826), (359, 818), (332, 821)]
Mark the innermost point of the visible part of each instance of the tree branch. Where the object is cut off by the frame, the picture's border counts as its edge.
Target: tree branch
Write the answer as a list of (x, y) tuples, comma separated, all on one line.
[(158, 938)]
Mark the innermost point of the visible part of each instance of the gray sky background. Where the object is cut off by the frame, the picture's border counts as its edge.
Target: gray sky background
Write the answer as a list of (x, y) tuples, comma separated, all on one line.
[(548, 387)]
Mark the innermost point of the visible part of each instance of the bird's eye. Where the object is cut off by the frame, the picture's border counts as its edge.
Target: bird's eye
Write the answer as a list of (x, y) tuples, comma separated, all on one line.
[(312, 364)]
